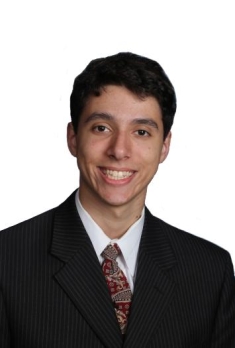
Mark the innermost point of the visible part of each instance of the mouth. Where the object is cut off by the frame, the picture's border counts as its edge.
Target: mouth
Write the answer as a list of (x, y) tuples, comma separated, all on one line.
[(117, 174)]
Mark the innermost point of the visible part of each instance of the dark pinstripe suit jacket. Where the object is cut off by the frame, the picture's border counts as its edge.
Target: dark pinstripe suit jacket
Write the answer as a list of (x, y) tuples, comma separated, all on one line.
[(53, 293)]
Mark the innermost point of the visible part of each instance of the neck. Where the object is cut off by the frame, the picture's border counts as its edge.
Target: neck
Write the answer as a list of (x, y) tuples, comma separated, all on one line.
[(113, 220)]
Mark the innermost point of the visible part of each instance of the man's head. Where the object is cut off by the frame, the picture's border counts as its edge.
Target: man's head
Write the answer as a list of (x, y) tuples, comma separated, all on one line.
[(122, 110), (142, 76)]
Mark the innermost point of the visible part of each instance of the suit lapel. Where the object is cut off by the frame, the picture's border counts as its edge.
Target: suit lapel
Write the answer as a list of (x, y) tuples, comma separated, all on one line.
[(154, 289), (81, 275), (81, 278)]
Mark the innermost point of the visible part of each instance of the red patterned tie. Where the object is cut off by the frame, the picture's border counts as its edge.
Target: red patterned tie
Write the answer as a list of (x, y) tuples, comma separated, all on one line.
[(117, 283)]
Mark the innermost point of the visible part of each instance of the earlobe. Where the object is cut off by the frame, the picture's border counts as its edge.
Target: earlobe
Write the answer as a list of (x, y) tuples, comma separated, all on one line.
[(71, 140), (165, 147)]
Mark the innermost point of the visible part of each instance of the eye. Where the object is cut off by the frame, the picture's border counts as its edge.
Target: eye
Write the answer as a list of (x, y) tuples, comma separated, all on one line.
[(100, 129), (143, 133)]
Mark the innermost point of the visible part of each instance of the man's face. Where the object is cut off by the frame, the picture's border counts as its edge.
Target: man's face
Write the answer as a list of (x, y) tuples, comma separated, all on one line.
[(119, 145)]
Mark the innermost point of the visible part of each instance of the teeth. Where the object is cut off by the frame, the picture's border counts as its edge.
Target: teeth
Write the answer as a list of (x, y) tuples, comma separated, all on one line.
[(117, 175)]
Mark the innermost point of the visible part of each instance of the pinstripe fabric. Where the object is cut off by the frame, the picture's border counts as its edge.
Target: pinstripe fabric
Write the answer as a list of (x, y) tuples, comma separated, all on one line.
[(45, 300)]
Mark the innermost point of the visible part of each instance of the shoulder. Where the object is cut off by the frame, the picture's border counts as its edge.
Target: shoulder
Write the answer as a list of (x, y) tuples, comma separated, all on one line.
[(27, 245), (189, 249), (39, 224), (27, 233)]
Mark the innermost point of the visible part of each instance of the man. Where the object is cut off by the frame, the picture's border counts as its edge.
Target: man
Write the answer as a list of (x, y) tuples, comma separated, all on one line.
[(99, 270)]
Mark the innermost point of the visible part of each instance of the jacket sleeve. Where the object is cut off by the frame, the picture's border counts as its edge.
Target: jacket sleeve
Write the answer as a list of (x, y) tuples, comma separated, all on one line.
[(4, 329), (224, 328)]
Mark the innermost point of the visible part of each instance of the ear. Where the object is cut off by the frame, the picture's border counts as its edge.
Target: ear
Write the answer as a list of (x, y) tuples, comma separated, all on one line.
[(71, 139), (165, 147)]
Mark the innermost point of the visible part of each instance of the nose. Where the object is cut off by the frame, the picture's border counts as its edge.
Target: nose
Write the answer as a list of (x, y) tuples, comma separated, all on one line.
[(119, 146)]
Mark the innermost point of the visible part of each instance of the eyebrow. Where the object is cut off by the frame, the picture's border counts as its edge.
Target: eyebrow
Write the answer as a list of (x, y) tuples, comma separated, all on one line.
[(107, 117), (98, 116), (146, 121)]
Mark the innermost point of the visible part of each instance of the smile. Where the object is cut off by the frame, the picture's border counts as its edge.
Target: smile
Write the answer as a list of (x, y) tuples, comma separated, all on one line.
[(117, 175)]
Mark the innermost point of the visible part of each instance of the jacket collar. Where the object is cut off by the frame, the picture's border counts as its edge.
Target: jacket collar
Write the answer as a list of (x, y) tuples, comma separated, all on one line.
[(81, 278)]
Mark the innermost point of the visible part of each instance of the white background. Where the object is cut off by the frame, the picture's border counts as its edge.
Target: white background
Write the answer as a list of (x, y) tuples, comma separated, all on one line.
[(45, 44)]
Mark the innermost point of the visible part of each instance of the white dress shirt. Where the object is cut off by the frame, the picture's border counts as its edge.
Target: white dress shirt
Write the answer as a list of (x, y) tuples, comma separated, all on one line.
[(128, 243)]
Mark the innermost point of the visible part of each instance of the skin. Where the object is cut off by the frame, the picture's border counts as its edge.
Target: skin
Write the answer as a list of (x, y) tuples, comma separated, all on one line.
[(119, 136)]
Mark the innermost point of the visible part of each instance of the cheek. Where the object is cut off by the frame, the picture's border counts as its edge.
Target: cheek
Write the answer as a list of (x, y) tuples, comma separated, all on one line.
[(151, 159), (86, 149), (151, 154), (88, 154), (90, 147)]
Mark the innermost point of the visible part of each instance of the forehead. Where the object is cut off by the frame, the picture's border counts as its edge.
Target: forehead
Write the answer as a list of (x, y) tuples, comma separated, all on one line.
[(121, 103)]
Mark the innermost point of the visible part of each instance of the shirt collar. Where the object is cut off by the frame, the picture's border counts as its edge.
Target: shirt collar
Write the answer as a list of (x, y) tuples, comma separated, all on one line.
[(128, 243)]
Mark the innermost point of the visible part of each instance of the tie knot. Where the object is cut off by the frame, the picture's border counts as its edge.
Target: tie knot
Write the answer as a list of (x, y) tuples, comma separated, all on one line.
[(111, 251)]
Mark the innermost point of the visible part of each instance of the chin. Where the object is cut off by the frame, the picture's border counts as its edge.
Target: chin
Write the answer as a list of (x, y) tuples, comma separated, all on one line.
[(116, 201)]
